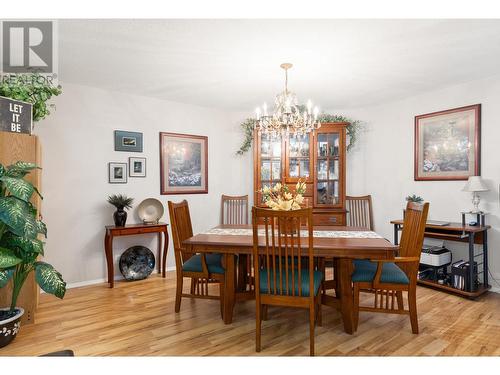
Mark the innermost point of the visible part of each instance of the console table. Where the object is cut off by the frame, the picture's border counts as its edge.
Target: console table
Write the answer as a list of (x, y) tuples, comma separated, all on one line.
[(460, 233), (134, 229)]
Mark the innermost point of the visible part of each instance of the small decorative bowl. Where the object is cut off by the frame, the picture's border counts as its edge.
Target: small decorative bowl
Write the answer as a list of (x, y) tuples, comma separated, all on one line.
[(150, 211)]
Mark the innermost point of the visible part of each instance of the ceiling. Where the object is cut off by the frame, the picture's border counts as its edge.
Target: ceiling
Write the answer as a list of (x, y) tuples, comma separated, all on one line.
[(234, 64)]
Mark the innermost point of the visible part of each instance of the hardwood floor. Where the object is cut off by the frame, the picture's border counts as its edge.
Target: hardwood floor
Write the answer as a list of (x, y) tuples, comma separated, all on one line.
[(138, 319)]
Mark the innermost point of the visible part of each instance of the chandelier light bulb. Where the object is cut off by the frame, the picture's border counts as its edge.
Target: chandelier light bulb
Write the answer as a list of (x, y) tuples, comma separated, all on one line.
[(265, 109), (257, 113), (316, 112), (309, 106)]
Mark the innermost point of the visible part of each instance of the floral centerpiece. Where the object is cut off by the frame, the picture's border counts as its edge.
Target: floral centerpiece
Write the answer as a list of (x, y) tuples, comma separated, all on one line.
[(280, 198)]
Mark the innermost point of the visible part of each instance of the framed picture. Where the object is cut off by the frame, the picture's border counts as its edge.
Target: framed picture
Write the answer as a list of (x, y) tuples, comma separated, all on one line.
[(183, 164), (137, 167), (128, 141), (448, 144), (117, 173)]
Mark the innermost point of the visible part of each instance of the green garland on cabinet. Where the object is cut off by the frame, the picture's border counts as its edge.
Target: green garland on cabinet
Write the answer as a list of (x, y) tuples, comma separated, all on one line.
[(353, 130)]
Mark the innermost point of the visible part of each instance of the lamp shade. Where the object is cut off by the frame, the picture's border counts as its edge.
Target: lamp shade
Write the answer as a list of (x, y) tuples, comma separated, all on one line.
[(475, 183)]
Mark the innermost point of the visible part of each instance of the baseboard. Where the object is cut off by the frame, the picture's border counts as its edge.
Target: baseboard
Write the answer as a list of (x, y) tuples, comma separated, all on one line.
[(80, 284)]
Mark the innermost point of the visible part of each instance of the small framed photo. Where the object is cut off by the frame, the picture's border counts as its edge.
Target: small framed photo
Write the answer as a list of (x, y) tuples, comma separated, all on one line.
[(117, 173), (448, 144), (137, 167), (128, 141)]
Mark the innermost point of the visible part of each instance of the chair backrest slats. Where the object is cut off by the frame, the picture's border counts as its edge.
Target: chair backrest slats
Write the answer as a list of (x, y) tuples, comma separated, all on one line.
[(282, 253), (360, 212), (412, 236), (180, 221), (234, 210)]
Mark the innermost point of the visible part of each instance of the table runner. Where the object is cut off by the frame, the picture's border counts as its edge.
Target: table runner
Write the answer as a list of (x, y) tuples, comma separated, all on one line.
[(303, 233)]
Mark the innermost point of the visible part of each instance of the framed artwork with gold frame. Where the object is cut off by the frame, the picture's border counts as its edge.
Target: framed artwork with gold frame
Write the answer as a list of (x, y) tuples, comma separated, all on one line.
[(448, 144), (183, 164)]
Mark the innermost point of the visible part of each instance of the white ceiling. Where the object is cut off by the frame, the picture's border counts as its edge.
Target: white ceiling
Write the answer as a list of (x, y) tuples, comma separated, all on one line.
[(234, 64)]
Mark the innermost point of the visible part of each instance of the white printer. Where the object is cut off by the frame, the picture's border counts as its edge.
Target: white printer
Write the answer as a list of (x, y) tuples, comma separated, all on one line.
[(434, 253)]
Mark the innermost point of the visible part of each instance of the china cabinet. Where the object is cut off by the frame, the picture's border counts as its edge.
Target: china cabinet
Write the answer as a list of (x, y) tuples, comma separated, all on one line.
[(318, 158)]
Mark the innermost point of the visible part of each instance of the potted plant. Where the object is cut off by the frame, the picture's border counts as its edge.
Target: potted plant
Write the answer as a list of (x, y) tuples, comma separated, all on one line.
[(31, 88), (120, 202), (20, 246), (413, 198), (280, 198)]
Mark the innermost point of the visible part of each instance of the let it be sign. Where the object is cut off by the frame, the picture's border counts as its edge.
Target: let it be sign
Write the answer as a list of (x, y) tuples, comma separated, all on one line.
[(15, 116)]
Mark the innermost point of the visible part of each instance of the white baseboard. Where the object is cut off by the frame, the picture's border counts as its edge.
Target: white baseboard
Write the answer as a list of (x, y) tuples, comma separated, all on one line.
[(495, 289), (80, 284)]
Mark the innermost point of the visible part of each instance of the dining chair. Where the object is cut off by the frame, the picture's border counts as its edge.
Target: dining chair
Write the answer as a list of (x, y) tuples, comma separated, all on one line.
[(359, 214), (283, 264), (359, 211), (234, 209), (387, 279), (203, 269)]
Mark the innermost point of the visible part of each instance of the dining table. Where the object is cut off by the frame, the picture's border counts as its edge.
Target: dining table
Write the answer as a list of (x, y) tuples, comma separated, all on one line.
[(340, 243)]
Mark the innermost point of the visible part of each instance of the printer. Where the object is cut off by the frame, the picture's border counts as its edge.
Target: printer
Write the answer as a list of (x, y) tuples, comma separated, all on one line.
[(434, 253)]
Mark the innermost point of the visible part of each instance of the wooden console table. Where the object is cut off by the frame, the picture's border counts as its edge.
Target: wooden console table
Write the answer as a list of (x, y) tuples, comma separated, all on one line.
[(459, 233), (133, 229)]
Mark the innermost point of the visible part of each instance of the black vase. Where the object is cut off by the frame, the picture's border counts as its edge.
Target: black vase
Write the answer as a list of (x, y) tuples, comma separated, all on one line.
[(120, 217)]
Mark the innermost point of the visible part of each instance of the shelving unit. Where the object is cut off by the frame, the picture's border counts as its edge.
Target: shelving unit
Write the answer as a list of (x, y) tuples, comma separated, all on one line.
[(458, 232)]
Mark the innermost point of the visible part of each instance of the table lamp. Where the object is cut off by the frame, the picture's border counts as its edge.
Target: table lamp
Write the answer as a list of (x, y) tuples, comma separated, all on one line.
[(474, 185)]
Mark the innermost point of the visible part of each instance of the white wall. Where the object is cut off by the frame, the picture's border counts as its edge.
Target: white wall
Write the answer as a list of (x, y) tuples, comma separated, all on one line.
[(78, 143), (382, 163), (77, 140)]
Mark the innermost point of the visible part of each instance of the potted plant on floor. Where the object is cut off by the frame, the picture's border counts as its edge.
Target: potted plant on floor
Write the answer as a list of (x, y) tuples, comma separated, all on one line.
[(120, 202), (20, 246)]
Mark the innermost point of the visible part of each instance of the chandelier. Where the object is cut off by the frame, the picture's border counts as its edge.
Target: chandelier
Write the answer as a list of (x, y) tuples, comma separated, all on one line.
[(287, 118)]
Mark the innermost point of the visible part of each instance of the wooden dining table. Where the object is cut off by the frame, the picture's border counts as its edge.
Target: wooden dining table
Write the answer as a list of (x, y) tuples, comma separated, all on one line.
[(331, 242)]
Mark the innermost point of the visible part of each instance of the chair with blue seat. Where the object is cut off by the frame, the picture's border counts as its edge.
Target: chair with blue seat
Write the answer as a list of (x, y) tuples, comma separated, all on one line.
[(387, 279), (285, 273), (203, 269)]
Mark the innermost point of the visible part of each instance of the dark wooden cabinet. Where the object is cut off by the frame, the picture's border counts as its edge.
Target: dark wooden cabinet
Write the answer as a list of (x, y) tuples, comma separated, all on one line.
[(318, 158)]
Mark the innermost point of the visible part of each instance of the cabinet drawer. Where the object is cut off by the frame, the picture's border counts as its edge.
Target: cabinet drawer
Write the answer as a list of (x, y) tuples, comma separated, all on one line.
[(132, 231), (328, 219)]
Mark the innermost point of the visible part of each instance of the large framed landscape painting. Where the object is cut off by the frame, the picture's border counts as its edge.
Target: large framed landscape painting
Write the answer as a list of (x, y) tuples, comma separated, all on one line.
[(183, 163), (448, 144)]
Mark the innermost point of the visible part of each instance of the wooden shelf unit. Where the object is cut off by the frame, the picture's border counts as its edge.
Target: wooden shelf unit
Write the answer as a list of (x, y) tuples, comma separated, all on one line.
[(321, 153), (472, 235)]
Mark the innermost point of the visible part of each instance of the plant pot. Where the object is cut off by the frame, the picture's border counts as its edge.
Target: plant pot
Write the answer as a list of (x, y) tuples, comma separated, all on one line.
[(120, 217), (9, 326)]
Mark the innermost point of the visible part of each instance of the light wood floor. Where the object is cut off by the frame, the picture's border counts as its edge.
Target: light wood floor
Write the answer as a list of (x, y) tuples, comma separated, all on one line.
[(138, 318)]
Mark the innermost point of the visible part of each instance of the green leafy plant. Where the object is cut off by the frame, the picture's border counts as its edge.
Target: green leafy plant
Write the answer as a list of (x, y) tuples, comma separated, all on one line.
[(247, 126), (20, 229), (120, 201), (32, 88), (353, 129), (414, 198)]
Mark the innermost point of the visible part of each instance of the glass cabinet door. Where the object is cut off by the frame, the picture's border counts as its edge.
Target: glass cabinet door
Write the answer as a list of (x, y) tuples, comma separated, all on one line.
[(298, 156), (270, 161), (327, 169)]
